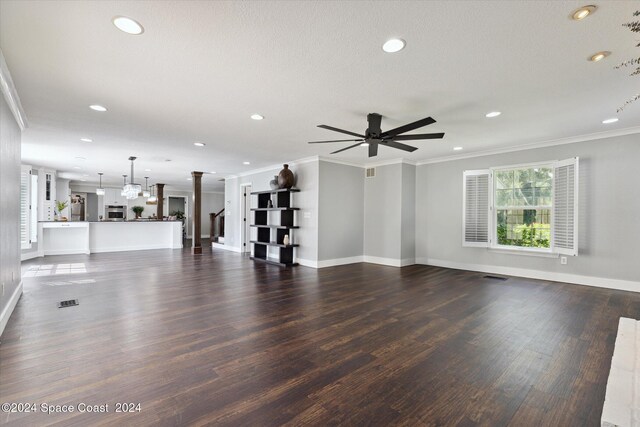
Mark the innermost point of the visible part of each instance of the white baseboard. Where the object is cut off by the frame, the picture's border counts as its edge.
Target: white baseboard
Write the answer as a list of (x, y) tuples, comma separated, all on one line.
[(225, 247), (6, 313), (392, 262), (66, 252), (133, 248), (356, 259), (307, 262), (600, 282), (339, 261), (29, 255)]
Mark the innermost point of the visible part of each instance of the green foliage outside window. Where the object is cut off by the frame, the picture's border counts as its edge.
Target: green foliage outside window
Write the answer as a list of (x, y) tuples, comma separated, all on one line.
[(523, 207)]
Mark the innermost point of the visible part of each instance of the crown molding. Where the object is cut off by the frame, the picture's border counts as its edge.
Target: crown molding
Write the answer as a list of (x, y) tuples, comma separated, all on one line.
[(10, 94), (490, 152), (272, 167), (390, 162), (534, 145), (340, 162)]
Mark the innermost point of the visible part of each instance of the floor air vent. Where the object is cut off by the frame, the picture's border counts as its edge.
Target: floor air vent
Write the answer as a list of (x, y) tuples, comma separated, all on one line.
[(68, 303), (495, 278)]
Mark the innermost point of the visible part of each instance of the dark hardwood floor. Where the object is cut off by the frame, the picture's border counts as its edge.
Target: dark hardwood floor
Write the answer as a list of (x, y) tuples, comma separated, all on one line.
[(216, 339)]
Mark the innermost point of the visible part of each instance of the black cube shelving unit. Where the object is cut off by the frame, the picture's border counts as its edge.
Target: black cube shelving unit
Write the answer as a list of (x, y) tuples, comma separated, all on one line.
[(269, 234)]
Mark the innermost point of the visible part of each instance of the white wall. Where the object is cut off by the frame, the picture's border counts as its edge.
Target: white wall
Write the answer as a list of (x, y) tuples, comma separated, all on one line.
[(609, 226), (382, 213), (408, 215), (307, 177), (10, 140), (389, 215), (211, 203), (62, 194), (340, 211)]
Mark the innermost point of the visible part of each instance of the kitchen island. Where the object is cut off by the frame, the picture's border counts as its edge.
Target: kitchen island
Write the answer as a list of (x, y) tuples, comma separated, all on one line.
[(82, 237)]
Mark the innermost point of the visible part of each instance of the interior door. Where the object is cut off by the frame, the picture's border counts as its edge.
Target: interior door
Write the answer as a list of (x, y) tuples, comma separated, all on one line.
[(246, 218)]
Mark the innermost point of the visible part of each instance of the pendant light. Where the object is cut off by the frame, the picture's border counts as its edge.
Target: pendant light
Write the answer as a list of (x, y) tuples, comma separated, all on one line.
[(146, 193), (124, 183), (152, 200), (100, 190), (131, 190)]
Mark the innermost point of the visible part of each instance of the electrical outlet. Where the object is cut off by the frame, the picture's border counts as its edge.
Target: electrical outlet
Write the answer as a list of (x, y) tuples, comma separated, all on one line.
[(563, 260), (307, 215)]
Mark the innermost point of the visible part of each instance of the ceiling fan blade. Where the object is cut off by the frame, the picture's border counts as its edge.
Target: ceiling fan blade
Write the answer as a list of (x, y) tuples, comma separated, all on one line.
[(346, 148), (373, 149), (374, 120), (335, 140), (340, 130), (399, 146), (418, 136), (409, 127)]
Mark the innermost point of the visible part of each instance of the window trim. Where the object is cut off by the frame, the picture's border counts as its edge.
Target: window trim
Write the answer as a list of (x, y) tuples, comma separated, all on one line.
[(569, 184), (493, 220)]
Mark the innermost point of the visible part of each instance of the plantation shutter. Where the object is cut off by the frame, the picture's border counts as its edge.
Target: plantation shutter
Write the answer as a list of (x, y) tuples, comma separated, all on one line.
[(34, 208), (25, 211), (565, 207), (476, 204)]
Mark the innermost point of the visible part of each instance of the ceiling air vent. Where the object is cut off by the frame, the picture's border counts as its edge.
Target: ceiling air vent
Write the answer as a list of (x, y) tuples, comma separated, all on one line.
[(370, 172)]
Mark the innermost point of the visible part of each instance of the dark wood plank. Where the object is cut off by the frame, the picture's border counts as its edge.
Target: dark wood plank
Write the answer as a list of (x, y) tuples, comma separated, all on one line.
[(217, 339)]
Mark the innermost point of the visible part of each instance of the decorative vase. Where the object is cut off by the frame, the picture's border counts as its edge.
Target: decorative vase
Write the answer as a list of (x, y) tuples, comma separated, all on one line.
[(269, 204), (285, 177), (285, 240), (274, 183)]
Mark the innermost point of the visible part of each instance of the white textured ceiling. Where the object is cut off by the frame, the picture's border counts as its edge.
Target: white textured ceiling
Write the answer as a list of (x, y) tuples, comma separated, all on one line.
[(202, 68)]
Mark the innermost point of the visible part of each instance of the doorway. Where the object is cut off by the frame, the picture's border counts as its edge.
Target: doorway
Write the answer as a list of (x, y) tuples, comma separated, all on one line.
[(245, 217), (177, 206)]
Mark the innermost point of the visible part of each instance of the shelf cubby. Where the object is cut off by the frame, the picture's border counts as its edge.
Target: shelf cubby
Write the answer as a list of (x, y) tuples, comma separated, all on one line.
[(270, 234)]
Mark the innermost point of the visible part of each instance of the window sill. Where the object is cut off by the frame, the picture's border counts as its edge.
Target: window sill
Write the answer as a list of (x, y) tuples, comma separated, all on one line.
[(525, 252)]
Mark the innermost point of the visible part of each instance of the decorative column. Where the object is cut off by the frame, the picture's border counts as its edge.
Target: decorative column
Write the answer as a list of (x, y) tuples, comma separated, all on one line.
[(160, 196), (196, 247)]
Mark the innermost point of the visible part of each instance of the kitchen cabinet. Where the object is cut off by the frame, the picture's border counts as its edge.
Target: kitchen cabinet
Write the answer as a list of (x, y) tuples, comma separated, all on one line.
[(112, 196)]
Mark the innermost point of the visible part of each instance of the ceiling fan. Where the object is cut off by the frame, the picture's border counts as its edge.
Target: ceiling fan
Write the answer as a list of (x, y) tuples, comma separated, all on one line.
[(373, 136)]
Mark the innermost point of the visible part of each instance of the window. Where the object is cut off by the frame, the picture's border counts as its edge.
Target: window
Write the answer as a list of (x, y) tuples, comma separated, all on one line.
[(526, 208), (523, 206)]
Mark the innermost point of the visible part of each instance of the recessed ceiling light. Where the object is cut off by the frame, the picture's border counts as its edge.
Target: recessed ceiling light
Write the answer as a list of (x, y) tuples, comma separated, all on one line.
[(81, 158), (77, 167), (599, 56), (246, 163), (213, 172), (96, 107), (83, 180), (457, 148), (86, 139), (583, 12), (128, 25), (364, 144), (611, 120), (147, 170), (189, 179), (257, 117), (493, 114), (393, 45), (199, 144)]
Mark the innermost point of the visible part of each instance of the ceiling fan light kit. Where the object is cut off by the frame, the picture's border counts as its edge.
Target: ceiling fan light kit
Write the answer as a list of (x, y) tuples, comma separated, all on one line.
[(374, 137)]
